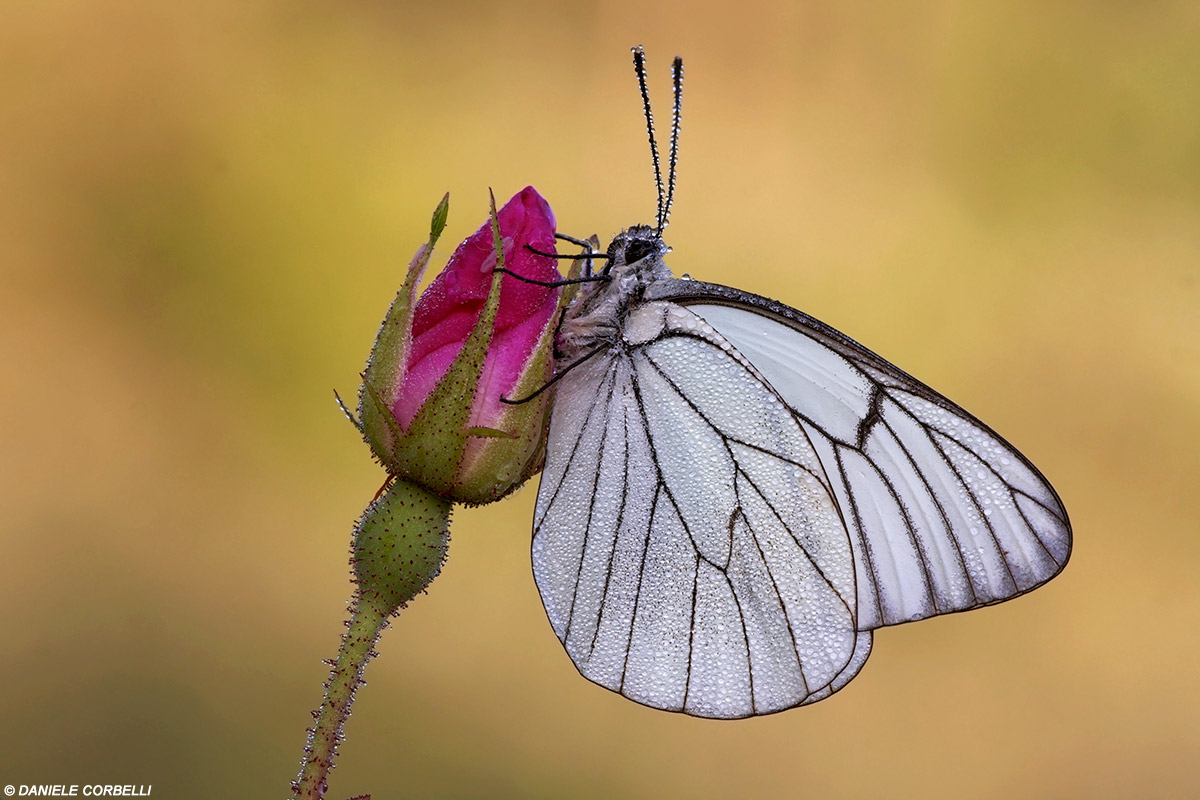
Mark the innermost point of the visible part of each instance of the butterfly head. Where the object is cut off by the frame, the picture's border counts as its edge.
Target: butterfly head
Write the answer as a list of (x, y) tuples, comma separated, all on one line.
[(635, 260), (634, 245)]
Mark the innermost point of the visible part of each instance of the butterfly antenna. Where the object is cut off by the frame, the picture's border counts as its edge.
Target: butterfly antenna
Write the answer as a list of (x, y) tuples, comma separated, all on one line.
[(677, 86), (639, 66)]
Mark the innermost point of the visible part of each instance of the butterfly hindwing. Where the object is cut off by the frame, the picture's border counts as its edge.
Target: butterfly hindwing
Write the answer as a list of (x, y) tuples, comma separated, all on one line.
[(687, 542)]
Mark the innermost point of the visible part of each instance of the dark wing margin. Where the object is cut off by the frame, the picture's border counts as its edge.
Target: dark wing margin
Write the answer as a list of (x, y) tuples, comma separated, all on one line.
[(944, 514)]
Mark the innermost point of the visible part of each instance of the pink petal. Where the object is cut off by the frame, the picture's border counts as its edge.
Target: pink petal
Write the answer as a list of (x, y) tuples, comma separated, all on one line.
[(447, 311)]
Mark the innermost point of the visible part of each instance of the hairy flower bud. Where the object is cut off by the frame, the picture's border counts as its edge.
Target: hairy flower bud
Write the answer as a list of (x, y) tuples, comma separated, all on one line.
[(430, 403)]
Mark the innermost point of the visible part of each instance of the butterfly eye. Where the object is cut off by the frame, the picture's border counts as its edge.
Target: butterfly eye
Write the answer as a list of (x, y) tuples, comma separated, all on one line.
[(637, 250)]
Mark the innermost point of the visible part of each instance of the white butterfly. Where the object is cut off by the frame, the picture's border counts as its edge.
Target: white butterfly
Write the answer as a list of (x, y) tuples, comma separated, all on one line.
[(735, 495)]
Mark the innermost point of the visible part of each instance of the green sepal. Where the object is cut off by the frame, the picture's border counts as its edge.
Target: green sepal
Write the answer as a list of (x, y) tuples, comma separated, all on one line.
[(438, 223), (389, 354), (437, 436), (400, 544), (381, 408), (510, 465)]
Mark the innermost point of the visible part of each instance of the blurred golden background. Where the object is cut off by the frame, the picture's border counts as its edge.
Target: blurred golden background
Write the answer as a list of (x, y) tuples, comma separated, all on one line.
[(206, 208)]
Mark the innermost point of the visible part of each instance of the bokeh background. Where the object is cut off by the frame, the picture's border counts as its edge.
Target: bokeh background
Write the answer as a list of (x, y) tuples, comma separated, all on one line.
[(205, 209)]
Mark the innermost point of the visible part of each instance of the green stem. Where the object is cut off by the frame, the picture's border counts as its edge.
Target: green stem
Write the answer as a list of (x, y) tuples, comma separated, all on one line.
[(399, 546), (363, 629)]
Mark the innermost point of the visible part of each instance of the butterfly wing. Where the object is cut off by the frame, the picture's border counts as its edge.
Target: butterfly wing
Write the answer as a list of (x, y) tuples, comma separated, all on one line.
[(687, 543), (944, 515)]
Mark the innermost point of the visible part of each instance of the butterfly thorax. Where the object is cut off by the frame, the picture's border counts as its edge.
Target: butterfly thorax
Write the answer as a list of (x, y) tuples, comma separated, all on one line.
[(635, 260)]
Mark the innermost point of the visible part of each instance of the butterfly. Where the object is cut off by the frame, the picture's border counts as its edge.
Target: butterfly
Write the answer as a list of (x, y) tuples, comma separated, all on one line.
[(736, 496)]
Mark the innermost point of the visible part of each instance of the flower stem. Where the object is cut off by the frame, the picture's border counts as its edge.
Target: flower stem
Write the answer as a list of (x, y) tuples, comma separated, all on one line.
[(363, 629), (399, 546)]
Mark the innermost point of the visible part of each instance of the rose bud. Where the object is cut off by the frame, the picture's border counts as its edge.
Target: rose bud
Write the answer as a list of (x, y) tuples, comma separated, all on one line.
[(430, 403)]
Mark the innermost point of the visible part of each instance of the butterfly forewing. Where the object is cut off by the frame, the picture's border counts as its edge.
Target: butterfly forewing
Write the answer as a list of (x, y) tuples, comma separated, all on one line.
[(687, 544)]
